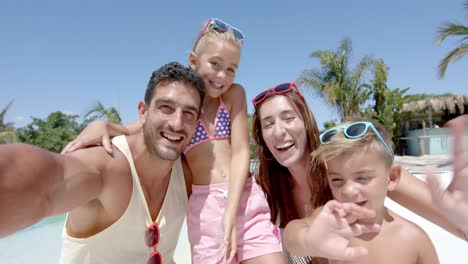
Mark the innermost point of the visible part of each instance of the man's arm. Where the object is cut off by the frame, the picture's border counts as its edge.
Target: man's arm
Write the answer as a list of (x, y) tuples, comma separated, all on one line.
[(35, 183)]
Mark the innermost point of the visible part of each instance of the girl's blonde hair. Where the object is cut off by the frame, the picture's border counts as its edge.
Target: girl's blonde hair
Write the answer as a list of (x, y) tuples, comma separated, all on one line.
[(213, 34)]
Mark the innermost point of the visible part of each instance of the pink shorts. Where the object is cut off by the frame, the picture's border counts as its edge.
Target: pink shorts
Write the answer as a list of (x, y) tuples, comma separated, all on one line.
[(255, 232)]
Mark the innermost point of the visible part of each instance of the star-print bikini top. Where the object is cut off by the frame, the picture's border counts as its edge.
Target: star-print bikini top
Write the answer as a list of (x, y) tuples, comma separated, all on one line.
[(222, 131)]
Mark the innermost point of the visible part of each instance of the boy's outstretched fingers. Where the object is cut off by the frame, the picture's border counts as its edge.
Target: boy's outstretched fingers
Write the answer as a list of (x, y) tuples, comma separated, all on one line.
[(356, 212), (329, 234), (353, 213)]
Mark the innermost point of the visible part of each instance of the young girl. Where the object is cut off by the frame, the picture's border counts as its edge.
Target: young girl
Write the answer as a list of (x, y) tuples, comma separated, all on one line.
[(218, 157), (226, 206)]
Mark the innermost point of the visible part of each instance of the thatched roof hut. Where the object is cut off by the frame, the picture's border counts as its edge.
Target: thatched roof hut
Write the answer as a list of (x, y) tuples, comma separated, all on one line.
[(444, 107), (452, 104)]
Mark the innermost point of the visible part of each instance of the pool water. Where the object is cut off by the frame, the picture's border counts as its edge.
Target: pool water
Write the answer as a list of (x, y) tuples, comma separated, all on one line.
[(39, 243)]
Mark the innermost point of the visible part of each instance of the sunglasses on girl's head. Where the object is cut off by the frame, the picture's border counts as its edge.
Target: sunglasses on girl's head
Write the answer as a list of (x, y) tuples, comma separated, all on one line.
[(355, 130), (152, 236), (279, 89), (220, 26)]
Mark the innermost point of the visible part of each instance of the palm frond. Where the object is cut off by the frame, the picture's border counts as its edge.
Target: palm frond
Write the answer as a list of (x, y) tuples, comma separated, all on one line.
[(111, 114), (4, 111), (450, 29), (98, 108), (451, 57)]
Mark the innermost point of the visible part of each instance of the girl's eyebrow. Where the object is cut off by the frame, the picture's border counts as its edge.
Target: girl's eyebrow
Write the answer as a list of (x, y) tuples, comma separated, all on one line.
[(221, 59)]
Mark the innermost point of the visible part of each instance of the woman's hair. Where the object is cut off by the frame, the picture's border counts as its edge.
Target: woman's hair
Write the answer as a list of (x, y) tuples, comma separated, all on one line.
[(213, 34), (276, 180)]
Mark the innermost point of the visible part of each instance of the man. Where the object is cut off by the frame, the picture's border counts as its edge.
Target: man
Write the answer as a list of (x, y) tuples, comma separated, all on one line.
[(112, 202)]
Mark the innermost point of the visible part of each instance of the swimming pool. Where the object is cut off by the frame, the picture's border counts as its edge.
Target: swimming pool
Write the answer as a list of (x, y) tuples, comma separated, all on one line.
[(38, 243), (41, 243)]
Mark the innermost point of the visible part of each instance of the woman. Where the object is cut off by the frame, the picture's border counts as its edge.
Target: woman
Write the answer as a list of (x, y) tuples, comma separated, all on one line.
[(286, 132)]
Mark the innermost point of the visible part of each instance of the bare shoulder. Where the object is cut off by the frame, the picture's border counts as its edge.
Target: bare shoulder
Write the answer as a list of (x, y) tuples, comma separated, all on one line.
[(234, 96), (406, 229), (98, 161), (415, 239), (237, 89), (92, 157), (111, 173)]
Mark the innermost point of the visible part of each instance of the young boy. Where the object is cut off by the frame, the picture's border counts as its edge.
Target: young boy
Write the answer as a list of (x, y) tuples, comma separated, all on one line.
[(361, 170)]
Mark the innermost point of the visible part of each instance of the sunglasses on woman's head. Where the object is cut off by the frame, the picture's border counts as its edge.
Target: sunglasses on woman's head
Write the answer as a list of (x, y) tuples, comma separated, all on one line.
[(353, 131), (152, 236), (221, 27), (279, 89)]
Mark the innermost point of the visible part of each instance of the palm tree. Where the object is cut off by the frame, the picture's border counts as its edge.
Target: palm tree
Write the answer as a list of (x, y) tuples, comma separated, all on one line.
[(99, 111), (379, 85), (7, 131), (387, 102), (342, 88), (451, 29)]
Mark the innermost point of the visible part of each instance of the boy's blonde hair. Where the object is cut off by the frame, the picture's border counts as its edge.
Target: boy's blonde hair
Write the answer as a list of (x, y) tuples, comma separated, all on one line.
[(212, 34), (340, 144)]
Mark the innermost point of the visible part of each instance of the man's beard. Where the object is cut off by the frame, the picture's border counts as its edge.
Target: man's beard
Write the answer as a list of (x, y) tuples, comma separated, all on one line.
[(158, 150)]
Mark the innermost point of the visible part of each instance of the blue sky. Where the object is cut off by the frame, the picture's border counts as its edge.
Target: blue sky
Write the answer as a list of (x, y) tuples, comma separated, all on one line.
[(66, 55)]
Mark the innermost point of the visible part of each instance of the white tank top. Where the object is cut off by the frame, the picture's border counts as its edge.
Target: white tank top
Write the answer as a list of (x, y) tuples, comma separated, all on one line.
[(123, 241)]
